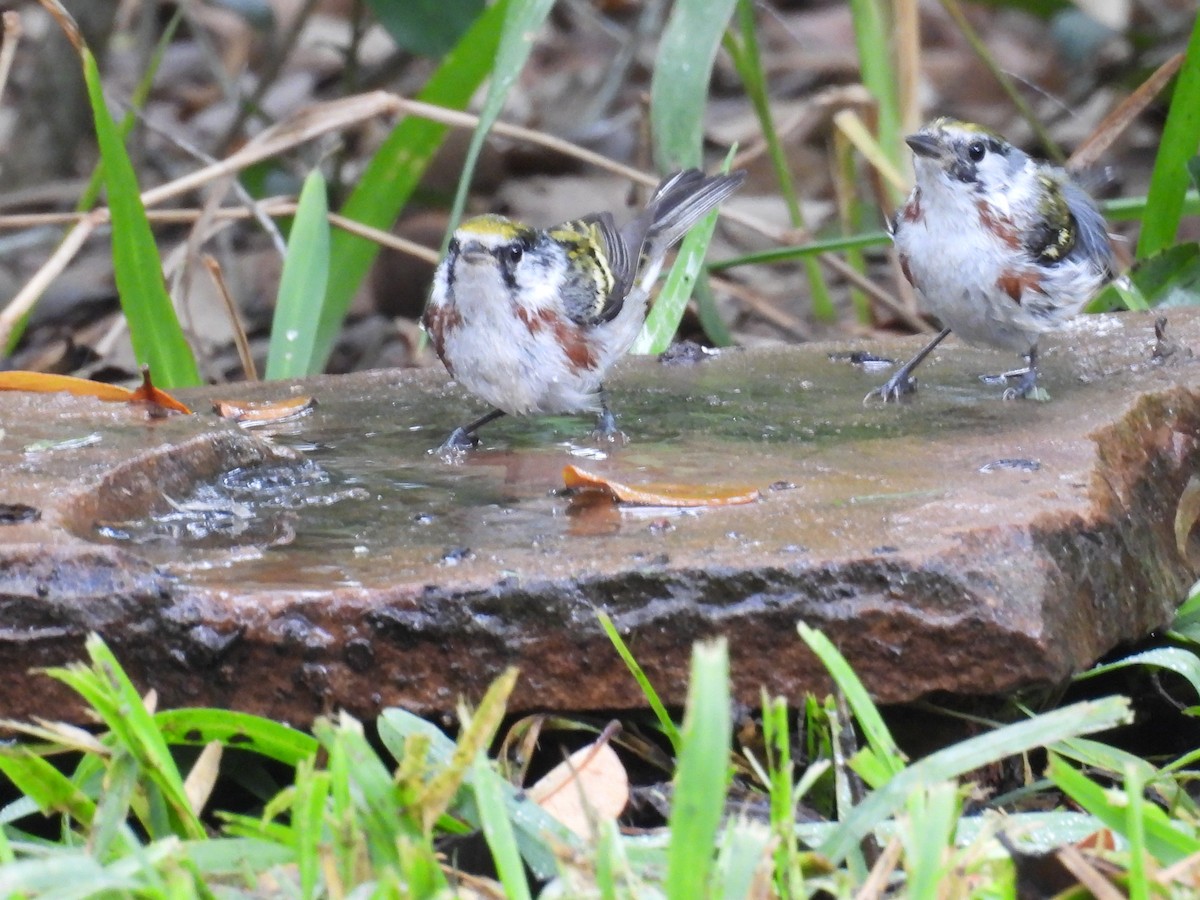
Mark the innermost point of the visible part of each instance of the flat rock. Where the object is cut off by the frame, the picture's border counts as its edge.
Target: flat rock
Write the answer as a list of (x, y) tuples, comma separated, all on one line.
[(955, 543)]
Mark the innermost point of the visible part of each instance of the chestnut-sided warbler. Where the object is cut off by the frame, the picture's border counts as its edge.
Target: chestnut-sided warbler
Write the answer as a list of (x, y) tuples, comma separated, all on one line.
[(1001, 246), (531, 320)]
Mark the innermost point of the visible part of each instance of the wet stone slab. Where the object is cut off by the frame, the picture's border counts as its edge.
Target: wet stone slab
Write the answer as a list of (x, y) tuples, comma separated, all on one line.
[(955, 543)]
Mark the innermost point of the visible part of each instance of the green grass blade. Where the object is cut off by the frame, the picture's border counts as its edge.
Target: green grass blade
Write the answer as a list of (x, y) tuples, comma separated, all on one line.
[(38, 780), (957, 760), (744, 845), (374, 798), (639, 675), (886, 753), (236, 730), (137, 101), (521, 25), (1135, 833), (154, 330), (236, 856), (498, 829), (538, 834), (748, 61), (933, 815), (308, 824), (397, 166), (302, 286), (872, 36), (1166, 843), (72, 873), (1186, 625), (112, 696), (426, 27), (1182, 662), (679, 86), (91, 193), (702, 777), (476, 735), (1101, 757), (803, 251), (1126, 209), (112, 811), (1180, 139)]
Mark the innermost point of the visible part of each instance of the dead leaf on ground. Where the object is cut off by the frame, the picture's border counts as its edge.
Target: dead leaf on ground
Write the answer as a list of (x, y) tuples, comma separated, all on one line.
[(660, 493), (591, 785), (262, 411), (152, 396), (48, 383)]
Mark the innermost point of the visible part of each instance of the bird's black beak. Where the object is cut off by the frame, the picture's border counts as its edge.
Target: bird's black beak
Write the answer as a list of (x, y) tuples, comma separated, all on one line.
[(924, 145), (474, 252)]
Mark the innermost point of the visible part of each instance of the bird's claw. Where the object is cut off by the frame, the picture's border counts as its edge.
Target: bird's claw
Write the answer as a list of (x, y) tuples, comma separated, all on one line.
[(1022, 391), (460, 442), (606, 430), (894, 389), (1027, 388)]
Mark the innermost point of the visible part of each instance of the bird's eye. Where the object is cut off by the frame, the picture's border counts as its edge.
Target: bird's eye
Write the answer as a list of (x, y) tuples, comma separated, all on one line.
[(513, 253), (453, 247), (976, 150)]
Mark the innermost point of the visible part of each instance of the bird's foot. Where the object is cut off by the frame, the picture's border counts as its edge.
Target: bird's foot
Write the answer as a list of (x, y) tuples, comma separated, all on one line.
[(606, 430), (457, 445), (895, 388), (1025, 389)]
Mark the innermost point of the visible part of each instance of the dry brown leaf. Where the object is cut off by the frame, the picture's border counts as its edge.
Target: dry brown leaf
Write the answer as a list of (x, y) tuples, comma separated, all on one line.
[(589, 785), (203, 776), (661, 493), (1102, 840), (148, 393), (1186, 513), (263, 410)]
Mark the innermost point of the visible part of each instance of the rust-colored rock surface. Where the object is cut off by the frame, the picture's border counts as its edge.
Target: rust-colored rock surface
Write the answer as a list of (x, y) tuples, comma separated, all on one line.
[(954, 543)]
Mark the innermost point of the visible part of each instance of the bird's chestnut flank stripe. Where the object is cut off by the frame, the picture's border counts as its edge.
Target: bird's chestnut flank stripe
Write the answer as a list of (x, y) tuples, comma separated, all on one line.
[(531, 321), (1000, 246)]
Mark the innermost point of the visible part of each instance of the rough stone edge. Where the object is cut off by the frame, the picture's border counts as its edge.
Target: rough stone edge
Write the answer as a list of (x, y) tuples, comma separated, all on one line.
[(302, 658)]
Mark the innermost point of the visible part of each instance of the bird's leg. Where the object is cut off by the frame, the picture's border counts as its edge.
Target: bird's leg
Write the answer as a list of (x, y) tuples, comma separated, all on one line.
[(606, 423), (1027, 388), (464, 438), (902, 382)]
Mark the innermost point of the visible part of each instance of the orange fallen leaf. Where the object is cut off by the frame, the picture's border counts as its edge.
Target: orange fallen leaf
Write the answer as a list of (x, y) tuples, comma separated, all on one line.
[(148, 393), (1102, 840), (659, 494), (47, 383), (263, 410), (590, 785)]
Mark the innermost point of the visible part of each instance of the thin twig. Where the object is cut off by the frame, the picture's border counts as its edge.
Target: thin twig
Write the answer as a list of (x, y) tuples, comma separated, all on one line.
[(268, 225), (8, 46), (20, 305), (269, 207), (1006, 85), (279, 55), (1115, 123), (763, 308), (878, 294), (239, 331)]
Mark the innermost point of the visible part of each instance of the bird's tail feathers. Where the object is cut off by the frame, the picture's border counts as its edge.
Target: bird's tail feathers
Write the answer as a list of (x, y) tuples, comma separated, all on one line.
[(681, 201)]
